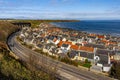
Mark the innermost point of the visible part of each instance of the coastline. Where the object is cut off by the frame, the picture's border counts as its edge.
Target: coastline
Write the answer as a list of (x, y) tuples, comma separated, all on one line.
[(97, 32), (86, 32)]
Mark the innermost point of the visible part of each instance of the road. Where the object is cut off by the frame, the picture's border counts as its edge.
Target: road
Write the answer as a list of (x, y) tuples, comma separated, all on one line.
[(66, 72)]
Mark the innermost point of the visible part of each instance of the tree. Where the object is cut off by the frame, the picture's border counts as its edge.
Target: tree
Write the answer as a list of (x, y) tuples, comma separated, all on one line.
[(115, 70)]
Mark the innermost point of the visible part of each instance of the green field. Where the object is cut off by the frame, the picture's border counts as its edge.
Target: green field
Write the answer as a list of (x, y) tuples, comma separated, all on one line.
[(35, 23)]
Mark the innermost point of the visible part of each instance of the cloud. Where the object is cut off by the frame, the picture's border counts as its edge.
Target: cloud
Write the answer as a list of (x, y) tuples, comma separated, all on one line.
[(60, 15)]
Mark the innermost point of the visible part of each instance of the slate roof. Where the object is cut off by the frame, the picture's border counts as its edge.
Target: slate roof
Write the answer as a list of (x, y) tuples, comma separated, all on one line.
[(54, 50), (95, 46), (73, 53), (105, 52), (48, 46), (87, 55), (103, 59), (65, 45)]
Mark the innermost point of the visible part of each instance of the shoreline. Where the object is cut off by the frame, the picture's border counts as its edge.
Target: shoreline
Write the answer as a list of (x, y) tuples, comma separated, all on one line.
[(86, 32)]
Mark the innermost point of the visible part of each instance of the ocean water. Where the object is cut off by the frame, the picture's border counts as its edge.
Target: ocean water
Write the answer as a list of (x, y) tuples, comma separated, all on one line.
[(111, 27)]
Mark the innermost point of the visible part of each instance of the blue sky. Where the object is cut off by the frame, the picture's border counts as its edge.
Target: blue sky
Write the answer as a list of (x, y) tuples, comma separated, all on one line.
[(60, 9)]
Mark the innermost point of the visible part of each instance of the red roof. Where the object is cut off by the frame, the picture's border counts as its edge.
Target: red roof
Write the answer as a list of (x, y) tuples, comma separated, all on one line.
[(88, 49), (108, 42), (101, 36), (60, 43), (92, 34), (65, 42), (75, 47)]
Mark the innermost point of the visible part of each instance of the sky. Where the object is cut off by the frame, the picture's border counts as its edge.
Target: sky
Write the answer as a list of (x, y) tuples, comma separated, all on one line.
[(60, 9)]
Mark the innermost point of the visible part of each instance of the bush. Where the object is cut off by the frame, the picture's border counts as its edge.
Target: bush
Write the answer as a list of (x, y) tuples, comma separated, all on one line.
[(86, 64), (68, 61)]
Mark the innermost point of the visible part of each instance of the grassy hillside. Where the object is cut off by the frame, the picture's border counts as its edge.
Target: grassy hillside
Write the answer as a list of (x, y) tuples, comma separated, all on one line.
[(6, 29), (10, 68)]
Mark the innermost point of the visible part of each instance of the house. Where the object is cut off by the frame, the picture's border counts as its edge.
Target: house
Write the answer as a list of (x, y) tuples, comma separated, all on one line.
[(104, 62), (100, 36), (40, 46), (90, 40), (65, 46), (53, 51), (60, 43), (83, 43), (106, 52), (106, 67), (50, 39), (56, 41), (103, 58), (74, 55), (48, 46), (29, 40), (73, 40), (86, 55), (117, 55), (64, 39)]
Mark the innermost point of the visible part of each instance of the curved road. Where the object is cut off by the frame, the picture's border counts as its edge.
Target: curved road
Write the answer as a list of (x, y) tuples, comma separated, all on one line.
[(66, 72)]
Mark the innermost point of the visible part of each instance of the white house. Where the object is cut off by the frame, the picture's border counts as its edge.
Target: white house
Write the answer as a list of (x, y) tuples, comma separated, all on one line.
[(56, 42), (65, 46), (64, 39)]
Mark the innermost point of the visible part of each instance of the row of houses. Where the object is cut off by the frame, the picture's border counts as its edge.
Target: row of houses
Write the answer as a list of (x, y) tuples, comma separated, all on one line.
[(101, 50)]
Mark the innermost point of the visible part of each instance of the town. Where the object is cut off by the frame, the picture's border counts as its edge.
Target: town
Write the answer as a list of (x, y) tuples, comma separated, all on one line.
[(100, 50)]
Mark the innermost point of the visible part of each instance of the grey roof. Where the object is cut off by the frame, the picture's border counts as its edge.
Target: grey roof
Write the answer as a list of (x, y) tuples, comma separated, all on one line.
[(73, 53), (54, 50), (83, 54), (103, 59), (48, 46), (90, 55), (65, 45), (95, 46), (87, 55), (105, 52)]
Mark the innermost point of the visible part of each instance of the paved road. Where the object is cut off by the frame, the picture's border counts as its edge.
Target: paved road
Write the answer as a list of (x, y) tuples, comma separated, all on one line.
[(66, 72)]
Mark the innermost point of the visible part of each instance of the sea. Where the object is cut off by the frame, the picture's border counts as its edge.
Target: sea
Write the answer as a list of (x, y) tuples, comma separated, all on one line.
[(107, 27)]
